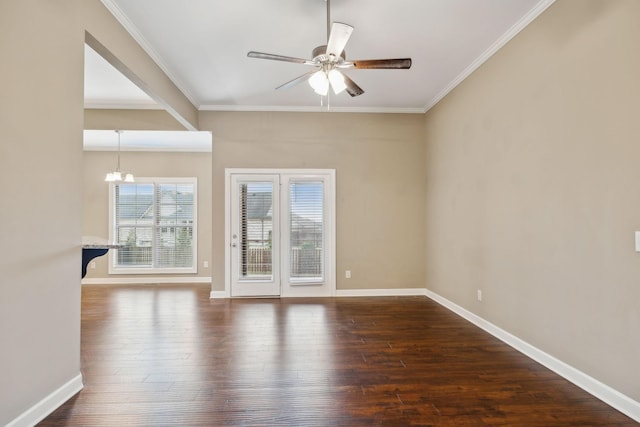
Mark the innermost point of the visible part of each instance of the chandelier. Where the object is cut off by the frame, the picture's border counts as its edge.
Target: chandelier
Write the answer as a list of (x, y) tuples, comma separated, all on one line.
[(116, 175)]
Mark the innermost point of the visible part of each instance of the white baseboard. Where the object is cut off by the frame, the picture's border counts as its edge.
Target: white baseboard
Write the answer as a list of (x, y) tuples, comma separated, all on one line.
[(380, 292), (610, 396), (147, 280), (355, 293), (219, 294), (40, 410)]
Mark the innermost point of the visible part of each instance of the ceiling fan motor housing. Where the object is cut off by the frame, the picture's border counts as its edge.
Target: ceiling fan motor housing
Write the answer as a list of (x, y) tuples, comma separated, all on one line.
[(319, 54)]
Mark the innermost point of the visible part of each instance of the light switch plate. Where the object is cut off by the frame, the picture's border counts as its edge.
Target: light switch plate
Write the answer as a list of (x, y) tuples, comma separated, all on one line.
[(637, 241)]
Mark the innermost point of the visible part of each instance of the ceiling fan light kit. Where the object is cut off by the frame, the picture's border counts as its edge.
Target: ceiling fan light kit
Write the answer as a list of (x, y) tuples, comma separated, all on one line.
[(319, 82), (329, 59), (336, 78)]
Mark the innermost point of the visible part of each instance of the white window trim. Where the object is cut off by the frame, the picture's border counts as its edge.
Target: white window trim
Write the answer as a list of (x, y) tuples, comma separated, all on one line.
[(155, 270)]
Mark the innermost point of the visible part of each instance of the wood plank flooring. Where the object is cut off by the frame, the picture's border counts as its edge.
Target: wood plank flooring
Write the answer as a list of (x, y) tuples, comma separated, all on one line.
[(169, 356)]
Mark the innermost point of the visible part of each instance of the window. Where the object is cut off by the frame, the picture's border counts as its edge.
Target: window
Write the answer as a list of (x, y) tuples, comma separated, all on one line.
[(155, 220), (306, 230)]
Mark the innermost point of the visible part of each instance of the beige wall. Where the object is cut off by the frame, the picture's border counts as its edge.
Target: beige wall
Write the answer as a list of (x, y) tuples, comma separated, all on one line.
[(41, 46), (130, 119), (532, 169), (95, 216), (379, 173), (41, 163), (379, 162)]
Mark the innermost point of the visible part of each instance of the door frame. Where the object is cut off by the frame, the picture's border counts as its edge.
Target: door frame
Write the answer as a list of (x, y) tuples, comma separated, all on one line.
[(330, 263)]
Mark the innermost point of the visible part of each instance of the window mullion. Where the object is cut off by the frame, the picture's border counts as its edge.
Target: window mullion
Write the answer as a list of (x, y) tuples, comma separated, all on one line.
[(156, 225)]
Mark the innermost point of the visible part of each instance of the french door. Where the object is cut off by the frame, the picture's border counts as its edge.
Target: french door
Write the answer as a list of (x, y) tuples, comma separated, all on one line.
[(280, 232)]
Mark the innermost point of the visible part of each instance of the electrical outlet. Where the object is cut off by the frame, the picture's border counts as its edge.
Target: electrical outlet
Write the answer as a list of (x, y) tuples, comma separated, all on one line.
[(205, 264), (347, 274), (479, 294), (93, 265)]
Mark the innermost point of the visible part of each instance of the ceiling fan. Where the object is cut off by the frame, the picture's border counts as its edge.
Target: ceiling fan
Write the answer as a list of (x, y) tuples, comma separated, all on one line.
[(329, 59)]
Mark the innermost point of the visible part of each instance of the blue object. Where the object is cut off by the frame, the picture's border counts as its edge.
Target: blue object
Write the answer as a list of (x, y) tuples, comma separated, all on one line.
[(90, 253)]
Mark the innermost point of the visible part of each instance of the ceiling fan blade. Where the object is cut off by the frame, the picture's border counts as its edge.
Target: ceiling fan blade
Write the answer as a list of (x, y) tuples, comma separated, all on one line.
[(352, 88), (297, 80), (261, 55), (338, 38), (400, 63)]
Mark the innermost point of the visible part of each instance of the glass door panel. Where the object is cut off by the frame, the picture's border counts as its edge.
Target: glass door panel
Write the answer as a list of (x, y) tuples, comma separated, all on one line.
[(256, 230), (254, 253), (306, 231)]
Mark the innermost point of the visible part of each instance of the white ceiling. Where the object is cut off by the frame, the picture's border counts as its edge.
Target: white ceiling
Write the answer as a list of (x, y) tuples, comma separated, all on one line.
[(202, 46), (106, 87)]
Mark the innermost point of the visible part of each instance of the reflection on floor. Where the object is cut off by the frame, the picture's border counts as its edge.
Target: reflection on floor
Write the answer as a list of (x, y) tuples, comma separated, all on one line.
[(168, 355)]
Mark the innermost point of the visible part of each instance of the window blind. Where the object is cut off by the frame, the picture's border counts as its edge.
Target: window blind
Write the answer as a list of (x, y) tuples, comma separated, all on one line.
[(173, 225), (134, 224), (256, 230), (155, 222), (306, 230)]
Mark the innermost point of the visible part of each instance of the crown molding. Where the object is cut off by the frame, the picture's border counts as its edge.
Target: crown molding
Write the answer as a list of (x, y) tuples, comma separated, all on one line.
[(146, 46), (536, 11), (303, 109)]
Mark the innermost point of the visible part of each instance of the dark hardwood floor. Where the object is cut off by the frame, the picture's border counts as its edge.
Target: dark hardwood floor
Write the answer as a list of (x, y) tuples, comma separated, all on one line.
[(170, 356)]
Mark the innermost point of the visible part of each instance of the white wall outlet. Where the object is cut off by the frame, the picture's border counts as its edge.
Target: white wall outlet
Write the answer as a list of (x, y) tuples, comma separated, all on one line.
[(347, 274), (637, 241), (93, 265), (479, 294), (205, 264)]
